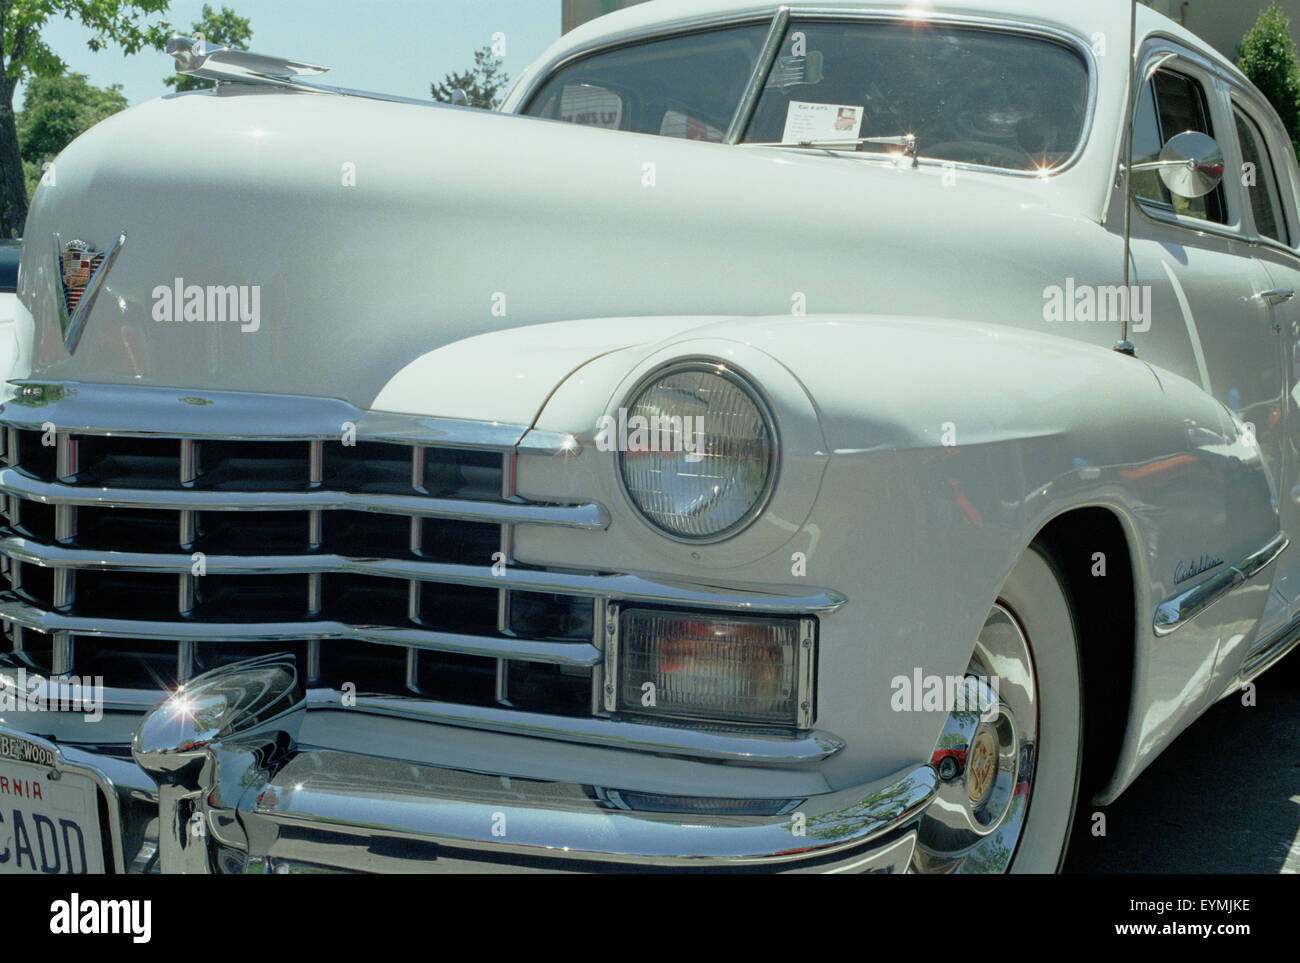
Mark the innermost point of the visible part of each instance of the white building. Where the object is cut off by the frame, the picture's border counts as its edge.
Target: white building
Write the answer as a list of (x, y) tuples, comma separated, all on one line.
[(576, 12), (1223, 22)]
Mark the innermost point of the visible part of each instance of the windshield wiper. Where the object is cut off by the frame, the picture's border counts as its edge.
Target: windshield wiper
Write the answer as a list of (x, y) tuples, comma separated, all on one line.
[(905, 141)]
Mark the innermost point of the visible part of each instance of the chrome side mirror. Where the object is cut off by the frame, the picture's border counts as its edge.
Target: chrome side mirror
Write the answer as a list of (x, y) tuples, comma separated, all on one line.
[(1191, 164)]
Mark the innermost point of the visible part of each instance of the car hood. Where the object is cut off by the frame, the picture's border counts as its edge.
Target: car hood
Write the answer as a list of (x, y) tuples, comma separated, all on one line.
[(369, 237)]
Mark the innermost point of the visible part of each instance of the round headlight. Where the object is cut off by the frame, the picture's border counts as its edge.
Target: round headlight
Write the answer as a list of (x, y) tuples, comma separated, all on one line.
[(699, 454)]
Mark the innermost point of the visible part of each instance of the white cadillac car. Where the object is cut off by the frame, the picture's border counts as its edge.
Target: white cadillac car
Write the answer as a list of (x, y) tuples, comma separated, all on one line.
[(816, 437)]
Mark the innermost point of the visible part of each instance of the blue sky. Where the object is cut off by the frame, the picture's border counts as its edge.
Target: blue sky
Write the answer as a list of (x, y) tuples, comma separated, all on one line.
[(394, 46)]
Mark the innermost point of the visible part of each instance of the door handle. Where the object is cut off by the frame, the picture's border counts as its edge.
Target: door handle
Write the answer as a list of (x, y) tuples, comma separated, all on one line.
[(1276, 296)]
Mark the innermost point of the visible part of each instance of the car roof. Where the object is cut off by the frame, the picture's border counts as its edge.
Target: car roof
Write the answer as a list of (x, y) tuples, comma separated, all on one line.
[(1105, 18)]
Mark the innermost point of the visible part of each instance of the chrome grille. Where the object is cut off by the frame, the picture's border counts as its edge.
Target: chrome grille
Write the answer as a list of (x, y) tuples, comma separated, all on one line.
[(148, 558), (380, 558)]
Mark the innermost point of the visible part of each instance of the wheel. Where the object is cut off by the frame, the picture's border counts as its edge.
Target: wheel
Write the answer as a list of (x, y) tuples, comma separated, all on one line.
[(1021, 716)]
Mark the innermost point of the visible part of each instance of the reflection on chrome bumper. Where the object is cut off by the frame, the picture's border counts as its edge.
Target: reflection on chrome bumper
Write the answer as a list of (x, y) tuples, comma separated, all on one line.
[(327, 809), (236, 792)]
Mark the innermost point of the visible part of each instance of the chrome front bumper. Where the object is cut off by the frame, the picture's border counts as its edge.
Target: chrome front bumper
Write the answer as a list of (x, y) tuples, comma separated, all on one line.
[(240, 773)]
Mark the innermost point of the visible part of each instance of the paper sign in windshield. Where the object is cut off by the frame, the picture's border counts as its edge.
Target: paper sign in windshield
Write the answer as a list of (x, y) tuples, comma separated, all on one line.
[(821, 122)]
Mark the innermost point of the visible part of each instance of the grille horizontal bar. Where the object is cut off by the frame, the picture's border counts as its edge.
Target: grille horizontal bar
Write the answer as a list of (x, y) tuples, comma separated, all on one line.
[(627, 587), (590, 516), (23, 613)]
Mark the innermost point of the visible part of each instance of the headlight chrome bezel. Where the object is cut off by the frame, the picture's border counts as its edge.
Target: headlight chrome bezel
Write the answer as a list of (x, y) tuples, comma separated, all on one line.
[(748, 387)]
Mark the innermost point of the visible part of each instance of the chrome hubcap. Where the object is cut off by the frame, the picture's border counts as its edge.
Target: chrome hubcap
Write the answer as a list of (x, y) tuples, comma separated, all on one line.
[(984, 758)]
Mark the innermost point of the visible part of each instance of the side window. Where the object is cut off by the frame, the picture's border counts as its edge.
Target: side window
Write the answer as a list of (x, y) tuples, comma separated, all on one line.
[(686, 86), (1260, 179), (679, 124), (1171, 104), (587, 104)]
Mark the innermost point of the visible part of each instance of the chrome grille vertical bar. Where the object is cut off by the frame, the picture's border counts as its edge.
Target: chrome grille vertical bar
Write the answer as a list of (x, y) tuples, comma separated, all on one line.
[(66, 459), (12, 504), (413, 608), (609, 690), (66, 466), (187, 589), (315, 536), (599, 607), (503, 595), (413, 669)]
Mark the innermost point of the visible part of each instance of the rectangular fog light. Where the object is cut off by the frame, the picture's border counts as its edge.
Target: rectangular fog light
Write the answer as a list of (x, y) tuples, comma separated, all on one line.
[(720, 669)]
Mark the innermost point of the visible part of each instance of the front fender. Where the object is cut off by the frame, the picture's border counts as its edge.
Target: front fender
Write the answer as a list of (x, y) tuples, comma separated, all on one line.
[(942, 448)]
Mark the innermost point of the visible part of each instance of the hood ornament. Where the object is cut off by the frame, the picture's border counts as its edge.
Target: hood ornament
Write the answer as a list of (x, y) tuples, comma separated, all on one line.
[(81, 273)]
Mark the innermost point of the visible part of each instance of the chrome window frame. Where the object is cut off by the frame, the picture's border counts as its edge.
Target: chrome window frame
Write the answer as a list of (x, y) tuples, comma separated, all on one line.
[(1256, 129), (1261, 115), (779, 19)]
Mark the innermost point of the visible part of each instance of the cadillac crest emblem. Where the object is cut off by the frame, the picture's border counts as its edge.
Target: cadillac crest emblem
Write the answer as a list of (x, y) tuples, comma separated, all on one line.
[(81, 273), (77, 265)]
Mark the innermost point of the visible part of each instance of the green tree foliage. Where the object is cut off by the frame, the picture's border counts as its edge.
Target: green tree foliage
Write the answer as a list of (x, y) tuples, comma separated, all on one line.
[(24, 55), (485, 83), (1268, 58), (224, 29), (55, 111)]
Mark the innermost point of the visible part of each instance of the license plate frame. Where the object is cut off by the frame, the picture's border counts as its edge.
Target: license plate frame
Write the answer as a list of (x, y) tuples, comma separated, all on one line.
[(68, 791)]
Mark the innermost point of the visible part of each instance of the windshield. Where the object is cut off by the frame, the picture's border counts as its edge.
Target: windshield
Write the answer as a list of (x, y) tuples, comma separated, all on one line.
[(969, 96)]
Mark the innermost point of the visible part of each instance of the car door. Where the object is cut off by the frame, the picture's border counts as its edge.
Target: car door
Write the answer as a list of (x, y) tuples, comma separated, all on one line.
[(1210, 319), (1269, 179)]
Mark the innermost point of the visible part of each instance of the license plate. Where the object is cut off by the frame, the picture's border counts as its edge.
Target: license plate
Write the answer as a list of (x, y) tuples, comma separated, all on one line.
[(47, 824)]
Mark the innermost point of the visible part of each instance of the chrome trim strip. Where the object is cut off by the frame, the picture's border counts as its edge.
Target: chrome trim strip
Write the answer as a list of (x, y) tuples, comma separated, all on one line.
[(574, 654), (806, 657), (150, 412), (590, 516), (1263, 655), (612, 585), (1185, 606), (715, 742)]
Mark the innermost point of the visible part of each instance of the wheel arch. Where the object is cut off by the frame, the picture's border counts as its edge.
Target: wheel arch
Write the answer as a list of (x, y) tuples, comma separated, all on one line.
[(1081, 544)]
